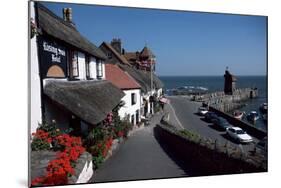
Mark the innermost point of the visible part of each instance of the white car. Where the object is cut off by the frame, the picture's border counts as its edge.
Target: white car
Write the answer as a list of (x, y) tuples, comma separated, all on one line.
[(239, 135), (202, 111)]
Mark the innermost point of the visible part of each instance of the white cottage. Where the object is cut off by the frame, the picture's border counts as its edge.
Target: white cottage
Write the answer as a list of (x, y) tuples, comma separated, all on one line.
[(132, 99), (68, 83)]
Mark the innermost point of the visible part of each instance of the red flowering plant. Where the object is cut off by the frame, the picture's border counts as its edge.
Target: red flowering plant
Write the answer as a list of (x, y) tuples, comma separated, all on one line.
[(69, 150), (41, 140)]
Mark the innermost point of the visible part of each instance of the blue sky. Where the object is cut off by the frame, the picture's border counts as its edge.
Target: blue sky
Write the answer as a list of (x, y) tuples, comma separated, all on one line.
[(185, 43)]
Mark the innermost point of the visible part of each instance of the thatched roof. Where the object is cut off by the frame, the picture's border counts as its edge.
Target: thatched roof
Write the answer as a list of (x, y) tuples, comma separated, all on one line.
[(89, 100), (56, 27), (157, 82), (139, 76), (143, 78)]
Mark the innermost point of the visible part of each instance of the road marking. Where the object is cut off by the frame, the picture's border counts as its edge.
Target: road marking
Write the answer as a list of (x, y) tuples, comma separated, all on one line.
[(176, 116)]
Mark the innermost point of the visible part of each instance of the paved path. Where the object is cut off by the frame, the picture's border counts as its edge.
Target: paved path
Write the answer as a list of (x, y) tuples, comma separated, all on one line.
[(185, 112), (140, 157)]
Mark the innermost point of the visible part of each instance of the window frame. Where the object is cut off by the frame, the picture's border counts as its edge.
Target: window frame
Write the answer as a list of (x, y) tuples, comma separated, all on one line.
[(73, 54), (88, 68), (133, 99)]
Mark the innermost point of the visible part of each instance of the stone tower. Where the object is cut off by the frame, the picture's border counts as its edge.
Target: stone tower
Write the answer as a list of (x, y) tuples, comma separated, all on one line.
[(229, 82)]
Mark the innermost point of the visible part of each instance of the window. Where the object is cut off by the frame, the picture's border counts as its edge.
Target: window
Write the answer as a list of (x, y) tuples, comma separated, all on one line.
[(74, 64), (99, 69), (133, 98), (109, 55)]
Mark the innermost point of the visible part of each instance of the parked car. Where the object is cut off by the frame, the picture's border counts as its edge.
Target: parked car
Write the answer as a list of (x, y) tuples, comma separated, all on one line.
[(222, 123), (239, 135), (202, 110), (211, 116), (253, 116)]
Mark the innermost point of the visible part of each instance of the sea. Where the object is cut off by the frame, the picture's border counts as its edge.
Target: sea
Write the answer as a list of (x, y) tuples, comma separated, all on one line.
[(216, 83)]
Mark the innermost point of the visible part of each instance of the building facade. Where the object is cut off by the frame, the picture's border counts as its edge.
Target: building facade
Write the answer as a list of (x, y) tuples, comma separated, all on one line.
[(130, 109), (68, 74)]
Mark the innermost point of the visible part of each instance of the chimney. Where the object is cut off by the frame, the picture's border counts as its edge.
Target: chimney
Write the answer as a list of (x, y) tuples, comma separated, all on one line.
[(123, 51), (67, 14), (116, 44)]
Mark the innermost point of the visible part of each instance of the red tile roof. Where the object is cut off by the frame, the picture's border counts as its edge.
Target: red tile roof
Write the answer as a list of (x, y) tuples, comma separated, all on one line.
[(120, 78)]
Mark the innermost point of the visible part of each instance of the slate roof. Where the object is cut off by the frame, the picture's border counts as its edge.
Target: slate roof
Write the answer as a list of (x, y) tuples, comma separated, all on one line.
[(89, 100), (120, 57), (120, 78), (131, 56), (56, 27)]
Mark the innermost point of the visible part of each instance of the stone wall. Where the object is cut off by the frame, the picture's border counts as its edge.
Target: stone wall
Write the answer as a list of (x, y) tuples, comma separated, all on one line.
[(227, 103), (83, 169), (206, 157)]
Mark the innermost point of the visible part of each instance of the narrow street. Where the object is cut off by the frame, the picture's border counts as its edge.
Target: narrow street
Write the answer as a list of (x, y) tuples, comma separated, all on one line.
[(140, 157), (143, 157)]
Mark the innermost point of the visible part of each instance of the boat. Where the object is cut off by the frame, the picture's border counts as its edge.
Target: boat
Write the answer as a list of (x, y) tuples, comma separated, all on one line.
[(253, 116), (238, 114), (263, 108)]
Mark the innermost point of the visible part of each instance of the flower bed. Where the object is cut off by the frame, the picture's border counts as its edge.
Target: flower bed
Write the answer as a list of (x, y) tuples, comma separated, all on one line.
[(100, 138), (69, 149)]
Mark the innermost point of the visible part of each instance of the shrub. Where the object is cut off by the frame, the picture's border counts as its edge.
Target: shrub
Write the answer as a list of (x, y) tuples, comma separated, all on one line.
[(189, 134), (97, 161)]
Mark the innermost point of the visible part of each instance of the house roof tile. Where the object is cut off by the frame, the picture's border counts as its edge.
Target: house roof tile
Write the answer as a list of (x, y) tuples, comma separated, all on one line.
[(120, 78)]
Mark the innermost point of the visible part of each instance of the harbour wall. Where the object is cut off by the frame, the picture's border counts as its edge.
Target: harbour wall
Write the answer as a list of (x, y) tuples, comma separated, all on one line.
[(206, 157), (227, 103)]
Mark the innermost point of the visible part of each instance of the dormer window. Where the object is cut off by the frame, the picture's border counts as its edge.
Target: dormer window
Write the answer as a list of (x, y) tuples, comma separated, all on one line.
[(99, 69), (109, 55), (74, 64)]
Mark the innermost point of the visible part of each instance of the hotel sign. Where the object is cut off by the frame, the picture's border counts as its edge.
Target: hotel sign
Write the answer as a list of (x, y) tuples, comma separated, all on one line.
[(51, 53)]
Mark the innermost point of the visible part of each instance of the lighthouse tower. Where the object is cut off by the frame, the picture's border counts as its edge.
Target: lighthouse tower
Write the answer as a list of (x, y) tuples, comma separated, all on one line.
[(229, 82)]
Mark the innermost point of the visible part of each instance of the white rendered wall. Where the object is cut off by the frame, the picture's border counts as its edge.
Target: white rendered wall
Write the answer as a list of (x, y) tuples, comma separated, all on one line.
[(146, 97), (129, 109), (103, 71), (35, 92), (93, 67), (81, 66), (159, 91)]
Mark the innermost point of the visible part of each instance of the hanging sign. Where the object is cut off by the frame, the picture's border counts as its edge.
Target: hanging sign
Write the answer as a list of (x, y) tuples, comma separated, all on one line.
[(51, 53)]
